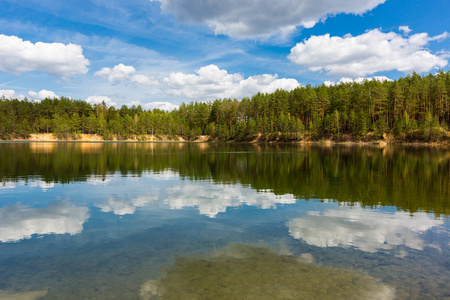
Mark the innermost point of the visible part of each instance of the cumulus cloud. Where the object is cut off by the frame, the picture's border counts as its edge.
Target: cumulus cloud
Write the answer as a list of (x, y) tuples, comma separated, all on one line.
[(133, 103), (211, 200), (145, 80), (152, 105), (366, 230), (161, 105), (21, 222), (405, 29), (357, 80), (122, 73), (42, 94), (210, 82), (117, 74), (371, 52), (100, 99), (11, 94), (261, 18), (57, 59)]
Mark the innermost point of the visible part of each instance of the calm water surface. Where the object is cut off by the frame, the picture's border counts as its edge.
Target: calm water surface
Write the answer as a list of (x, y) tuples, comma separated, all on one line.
[(207, 221)]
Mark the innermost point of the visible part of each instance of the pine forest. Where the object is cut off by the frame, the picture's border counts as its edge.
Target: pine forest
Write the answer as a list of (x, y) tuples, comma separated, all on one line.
[(413, 108)]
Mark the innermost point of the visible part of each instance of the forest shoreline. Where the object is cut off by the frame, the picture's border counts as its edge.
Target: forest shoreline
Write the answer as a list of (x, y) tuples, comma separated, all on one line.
[(386, 141), (412, 110)]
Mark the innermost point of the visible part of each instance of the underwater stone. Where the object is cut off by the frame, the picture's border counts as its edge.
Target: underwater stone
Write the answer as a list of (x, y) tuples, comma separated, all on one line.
[(33, 295), (245, 272)]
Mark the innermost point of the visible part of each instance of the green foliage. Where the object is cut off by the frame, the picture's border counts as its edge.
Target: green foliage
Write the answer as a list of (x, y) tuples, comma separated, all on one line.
[(380, 127), (430, 129), (108, 136), (357, 110)]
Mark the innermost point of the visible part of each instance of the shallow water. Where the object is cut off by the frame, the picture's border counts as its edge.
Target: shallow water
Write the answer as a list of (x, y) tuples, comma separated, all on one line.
[(115, 221)]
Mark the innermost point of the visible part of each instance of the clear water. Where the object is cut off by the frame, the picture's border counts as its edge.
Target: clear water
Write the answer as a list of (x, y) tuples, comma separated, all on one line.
[(206, 221)]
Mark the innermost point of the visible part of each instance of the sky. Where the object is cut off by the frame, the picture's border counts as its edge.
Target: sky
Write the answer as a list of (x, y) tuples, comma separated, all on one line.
[(160, 53)]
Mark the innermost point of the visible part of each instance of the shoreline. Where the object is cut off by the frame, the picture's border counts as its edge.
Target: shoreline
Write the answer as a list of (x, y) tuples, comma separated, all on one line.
[(50, 137)]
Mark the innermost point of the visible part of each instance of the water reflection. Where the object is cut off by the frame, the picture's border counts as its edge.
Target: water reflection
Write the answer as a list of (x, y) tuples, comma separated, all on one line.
[(42, 147), (410, 179), (212, 199), (120, 206), (32, 184), (21, 222), (366, 230)]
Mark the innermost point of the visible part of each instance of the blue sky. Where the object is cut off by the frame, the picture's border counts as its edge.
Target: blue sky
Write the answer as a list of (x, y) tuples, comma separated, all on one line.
[(159, 53)]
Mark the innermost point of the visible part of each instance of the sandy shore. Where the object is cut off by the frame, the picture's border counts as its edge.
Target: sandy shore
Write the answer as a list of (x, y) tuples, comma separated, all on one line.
[(49, 137)]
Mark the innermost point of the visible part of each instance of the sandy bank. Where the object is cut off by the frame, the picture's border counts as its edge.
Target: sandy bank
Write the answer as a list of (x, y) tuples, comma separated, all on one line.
[(50, 137)]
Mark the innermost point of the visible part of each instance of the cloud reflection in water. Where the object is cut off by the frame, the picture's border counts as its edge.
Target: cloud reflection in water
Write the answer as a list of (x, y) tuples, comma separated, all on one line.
[(21, 222), (214, 199), (120, 206), (366, 230)]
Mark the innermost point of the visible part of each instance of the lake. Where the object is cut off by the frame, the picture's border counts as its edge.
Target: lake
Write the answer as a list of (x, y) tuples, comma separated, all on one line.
[(223, 221)]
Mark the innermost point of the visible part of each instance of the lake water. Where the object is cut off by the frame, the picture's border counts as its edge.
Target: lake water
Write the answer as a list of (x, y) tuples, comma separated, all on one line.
[(222, 221)]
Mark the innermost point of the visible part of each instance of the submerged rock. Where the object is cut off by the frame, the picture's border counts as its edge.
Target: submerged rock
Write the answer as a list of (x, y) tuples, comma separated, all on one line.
[(149, 290), (306, 258), (246, 272), (34, 295)]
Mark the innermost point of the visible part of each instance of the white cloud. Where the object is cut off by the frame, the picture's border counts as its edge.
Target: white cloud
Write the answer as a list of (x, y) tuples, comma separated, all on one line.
[(100, 99), (362, 79), (261, 18), (211, 83), (358, 80), (152, 105), (145, 80), (11, 94), (133, 103), (42, 94), (329, 83), (57, 59), (366, 230), (161, 105), (211, 200), (405, 29), (21, 222), (117, 74), (371, 52), (121, 73)]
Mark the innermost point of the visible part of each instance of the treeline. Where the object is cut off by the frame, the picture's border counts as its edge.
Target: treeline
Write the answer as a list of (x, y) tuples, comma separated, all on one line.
[(414, 108)]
